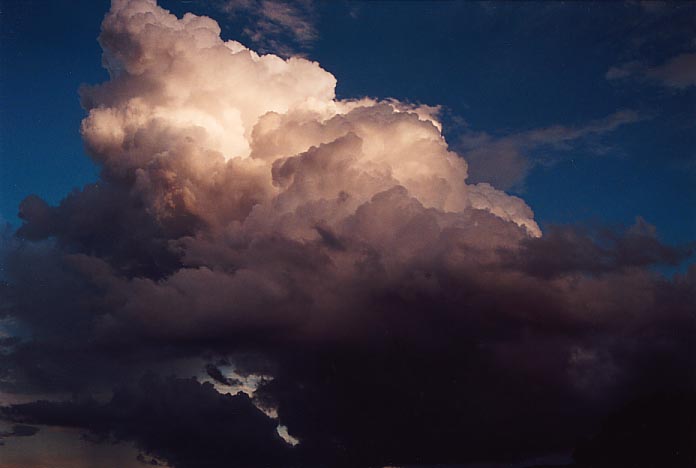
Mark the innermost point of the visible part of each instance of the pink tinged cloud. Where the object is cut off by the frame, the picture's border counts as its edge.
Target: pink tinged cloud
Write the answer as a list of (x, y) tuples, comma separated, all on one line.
[(200, 123)]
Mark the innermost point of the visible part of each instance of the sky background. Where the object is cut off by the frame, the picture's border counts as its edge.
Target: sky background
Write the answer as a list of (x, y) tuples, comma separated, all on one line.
[(500, 70), (337, 315)]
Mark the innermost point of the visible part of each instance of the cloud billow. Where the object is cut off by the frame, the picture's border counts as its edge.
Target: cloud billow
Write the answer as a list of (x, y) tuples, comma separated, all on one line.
[(397, 314)]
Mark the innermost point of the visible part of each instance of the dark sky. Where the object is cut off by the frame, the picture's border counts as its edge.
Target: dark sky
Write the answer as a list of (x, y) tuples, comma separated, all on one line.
[(209, 256)]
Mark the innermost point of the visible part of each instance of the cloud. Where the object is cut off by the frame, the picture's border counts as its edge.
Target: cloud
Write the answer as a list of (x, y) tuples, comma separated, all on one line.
[(277, 26), (506, 161), (18, 430), (678, 72), (568, 248), (660, 47), (651, 6), (185, 422), (639, 434), (378, 307), (216, 374)]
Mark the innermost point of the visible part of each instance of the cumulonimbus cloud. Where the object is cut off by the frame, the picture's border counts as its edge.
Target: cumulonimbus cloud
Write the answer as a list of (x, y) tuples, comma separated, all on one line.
[(397, 313)]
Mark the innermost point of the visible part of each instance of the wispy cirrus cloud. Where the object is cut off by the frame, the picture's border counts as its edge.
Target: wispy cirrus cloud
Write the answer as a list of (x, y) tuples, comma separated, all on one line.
[(282, 27), (678, 72), (662, 56)]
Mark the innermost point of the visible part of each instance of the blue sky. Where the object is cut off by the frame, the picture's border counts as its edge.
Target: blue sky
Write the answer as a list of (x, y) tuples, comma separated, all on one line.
[(498, 69)]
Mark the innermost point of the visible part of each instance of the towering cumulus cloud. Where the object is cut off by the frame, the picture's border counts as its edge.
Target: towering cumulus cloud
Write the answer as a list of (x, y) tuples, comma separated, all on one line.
[(327, 258), (210, 129)]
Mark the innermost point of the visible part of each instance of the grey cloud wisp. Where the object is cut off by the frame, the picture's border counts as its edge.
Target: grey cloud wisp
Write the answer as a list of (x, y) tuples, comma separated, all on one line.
[(506, 161)]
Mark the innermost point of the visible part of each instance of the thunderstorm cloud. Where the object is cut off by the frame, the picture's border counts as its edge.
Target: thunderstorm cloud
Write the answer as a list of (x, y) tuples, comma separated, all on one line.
[(327, 260)]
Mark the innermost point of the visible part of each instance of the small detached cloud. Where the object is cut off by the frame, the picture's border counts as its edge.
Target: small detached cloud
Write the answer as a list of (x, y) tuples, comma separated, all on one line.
[(216, 374), (678, 72)]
